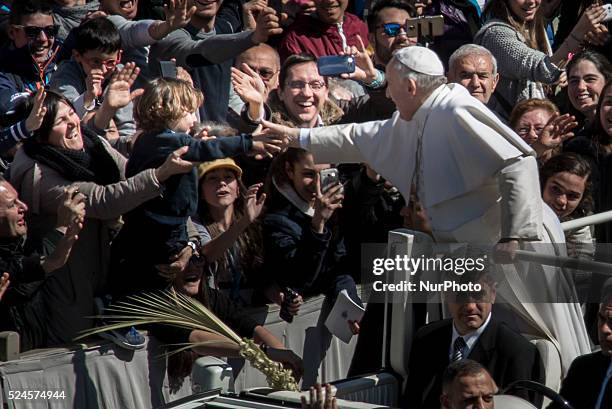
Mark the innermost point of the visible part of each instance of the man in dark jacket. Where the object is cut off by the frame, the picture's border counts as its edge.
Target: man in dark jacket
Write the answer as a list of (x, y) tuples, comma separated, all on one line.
[(588, 384), (28, 61), (31, 272), (471, 333)]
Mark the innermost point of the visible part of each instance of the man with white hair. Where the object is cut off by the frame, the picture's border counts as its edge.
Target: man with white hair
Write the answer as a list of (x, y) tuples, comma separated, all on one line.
[(476, 179), (474, 67)]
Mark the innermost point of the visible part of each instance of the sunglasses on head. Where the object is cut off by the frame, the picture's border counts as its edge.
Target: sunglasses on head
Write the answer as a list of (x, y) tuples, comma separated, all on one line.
[(393, 29), (33, 32)]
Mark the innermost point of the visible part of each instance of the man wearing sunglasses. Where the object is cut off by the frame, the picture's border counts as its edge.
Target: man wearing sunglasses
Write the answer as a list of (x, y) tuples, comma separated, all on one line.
[(387, 26), (28, 62)]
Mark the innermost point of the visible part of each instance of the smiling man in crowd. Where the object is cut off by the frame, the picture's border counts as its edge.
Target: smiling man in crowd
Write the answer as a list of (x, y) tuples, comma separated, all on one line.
[(327, 32), (474, 67), (28, 61)]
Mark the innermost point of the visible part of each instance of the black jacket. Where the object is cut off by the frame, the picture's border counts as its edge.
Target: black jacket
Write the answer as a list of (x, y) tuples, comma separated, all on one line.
[(22, 308), (583, 382), (504, 353), (295, 255)]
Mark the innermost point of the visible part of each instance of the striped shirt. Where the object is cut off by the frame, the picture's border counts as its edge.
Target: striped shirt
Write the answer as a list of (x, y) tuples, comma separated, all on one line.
[(12, 135)]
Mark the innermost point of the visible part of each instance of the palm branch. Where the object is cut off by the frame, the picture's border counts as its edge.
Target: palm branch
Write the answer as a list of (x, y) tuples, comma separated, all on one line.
[(179, 310)]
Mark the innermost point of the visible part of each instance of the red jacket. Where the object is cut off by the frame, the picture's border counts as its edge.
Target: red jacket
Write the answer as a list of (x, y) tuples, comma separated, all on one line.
[(310, 35)]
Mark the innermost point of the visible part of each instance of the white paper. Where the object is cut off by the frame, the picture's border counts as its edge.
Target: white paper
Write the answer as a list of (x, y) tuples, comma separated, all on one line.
[(344, 310)]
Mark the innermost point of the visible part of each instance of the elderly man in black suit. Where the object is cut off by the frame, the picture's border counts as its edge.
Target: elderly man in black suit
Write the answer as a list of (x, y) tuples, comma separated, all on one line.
[(588, 384), (471, 333)]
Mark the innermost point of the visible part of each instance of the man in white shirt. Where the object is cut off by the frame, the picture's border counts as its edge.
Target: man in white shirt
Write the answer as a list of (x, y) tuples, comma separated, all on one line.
[(476, 179)]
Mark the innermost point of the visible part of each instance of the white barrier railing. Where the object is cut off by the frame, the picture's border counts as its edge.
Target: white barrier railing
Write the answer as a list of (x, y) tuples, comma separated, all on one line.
[(565, 262), (597, 218)]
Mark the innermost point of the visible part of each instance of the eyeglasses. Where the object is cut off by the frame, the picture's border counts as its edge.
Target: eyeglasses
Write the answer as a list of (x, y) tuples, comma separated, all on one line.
[(393, 29), (32, 32), (523, 131), (109, 64), (265, 73), (314, 85)]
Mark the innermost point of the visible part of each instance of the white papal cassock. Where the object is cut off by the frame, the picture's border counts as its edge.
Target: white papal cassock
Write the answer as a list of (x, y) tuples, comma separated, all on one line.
[(478, 182)]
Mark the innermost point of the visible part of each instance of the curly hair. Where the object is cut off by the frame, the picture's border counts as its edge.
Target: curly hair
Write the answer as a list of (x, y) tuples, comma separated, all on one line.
[(164, 101)]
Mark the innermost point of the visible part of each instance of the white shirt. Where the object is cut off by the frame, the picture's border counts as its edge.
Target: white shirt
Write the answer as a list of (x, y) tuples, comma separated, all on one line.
[(470, 339)]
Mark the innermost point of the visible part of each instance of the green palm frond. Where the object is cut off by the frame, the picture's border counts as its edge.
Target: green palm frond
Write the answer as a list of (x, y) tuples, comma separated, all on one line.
[(167, 307), (172, 308)]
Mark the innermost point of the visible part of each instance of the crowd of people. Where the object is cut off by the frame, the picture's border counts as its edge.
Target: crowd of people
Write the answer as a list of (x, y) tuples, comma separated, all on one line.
[(152, 145)]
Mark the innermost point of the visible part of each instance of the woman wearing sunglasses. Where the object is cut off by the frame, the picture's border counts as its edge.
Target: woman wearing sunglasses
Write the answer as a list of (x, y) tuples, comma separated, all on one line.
[(515, 35)]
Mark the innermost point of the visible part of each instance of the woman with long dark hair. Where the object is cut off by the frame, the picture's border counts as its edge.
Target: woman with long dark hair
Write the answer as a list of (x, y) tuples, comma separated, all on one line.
[(61, 154), (597, 148), (587, 73), (227, 222), (515, 35)]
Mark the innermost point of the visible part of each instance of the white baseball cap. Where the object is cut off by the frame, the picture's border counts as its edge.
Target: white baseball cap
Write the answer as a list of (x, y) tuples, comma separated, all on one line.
[(421, 60)]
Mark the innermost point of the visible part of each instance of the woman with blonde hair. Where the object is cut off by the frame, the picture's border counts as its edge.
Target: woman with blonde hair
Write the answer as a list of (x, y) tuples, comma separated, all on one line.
[(156, 232)]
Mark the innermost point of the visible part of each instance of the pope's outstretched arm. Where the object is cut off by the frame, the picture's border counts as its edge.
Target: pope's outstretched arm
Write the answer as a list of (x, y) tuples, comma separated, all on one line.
[(331, 144)]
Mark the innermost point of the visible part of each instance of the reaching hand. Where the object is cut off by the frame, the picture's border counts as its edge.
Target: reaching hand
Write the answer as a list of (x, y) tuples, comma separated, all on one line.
[(250, 11), (291, 9), (267, 25), (177, 14), (317, 401), (4, 283), (35, 119), (253, 205), (248, 85), (264, 145), (505, 252), (288, 136), (174, 165), (118, 92)]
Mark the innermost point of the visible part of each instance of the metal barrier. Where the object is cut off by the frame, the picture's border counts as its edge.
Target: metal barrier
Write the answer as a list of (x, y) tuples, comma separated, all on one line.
[(593, 219)]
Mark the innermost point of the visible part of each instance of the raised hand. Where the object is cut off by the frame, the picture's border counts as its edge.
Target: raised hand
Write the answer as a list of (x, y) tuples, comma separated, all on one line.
[(250, 10), (253, 205), (35, 119), (326, 204), (118, 93), (590, 21), (174, 165), (248, 85), (555, 133), (72, 208), (267, 25), (364, 67), (93, 86), (178, 14)]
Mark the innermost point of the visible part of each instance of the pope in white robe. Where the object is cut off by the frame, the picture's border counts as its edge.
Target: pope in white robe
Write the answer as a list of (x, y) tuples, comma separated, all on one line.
[(477, 180)]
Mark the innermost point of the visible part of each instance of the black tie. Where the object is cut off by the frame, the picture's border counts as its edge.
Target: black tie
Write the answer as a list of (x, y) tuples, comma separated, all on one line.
[(606, 401), (458, 347)]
